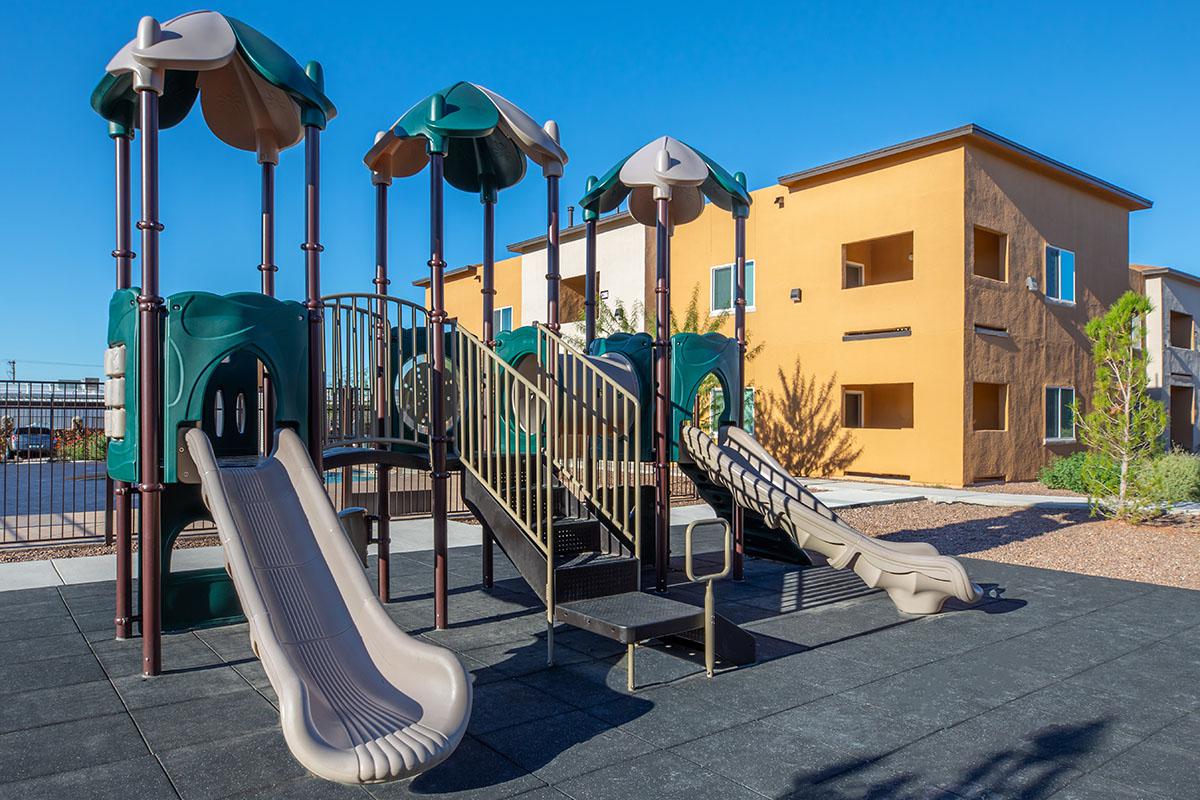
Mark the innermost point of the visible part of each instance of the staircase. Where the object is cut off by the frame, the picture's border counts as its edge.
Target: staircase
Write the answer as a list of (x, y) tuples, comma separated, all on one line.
[(554, 478)]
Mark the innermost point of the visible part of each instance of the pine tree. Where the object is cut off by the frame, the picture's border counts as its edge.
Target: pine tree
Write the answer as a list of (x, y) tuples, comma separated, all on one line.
[(1124, 428)]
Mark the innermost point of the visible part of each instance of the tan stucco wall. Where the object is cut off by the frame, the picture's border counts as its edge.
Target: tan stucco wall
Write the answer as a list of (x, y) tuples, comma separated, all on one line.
[(800, 246), (464, 299), (1047, 345), (938, 196)]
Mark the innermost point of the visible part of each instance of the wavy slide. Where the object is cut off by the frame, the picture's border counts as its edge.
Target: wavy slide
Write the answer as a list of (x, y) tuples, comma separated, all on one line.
[(917, 578), (360, 701)]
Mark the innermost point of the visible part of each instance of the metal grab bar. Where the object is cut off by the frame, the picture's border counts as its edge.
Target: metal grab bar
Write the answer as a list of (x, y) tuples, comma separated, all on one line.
[(710, 652)]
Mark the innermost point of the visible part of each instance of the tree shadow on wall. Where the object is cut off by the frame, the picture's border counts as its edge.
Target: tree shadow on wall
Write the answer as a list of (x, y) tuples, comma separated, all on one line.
[(800, 424)]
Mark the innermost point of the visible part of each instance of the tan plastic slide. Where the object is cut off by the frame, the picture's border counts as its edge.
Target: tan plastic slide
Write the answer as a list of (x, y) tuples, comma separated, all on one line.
[(360, 701), (917, 578)]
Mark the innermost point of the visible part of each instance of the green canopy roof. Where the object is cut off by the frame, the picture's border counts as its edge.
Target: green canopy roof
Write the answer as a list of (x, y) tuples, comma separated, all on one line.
[(202, 39), (671, 167), (485, 140)]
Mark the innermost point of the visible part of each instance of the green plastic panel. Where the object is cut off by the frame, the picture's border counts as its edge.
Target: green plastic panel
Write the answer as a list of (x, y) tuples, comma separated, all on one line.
[(639, 349), (202, 329), (122, 456), (116, 101), (693, 356), (192, 598), (277, 67)]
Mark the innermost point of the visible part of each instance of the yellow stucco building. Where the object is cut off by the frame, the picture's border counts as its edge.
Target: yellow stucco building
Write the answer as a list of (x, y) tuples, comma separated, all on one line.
[(920, 308)]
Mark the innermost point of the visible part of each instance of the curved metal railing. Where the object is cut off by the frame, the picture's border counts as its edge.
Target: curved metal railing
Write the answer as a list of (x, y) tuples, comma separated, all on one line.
[(377, 371)]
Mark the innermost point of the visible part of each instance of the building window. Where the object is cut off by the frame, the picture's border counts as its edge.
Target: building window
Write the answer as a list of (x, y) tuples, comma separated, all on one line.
[(877, 405), (502, 319), (989, 406), (989, 260), (852, 409), (722, 289), (852, 274), (1060, 274), (1060, 418), (572, 298), (1181, 330), (710, 417), (887, 259)]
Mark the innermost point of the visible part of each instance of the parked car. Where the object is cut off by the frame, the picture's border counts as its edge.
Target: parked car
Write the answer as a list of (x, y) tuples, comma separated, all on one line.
[(31, 441)]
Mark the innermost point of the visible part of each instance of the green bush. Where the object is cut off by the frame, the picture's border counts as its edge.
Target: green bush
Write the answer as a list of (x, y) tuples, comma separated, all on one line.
[(82, 446), (1176, 476), (1064, 473)]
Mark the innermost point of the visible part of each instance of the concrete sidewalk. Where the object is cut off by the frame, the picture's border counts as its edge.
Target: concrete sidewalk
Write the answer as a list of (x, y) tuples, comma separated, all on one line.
[(849, 494), (407, 536)]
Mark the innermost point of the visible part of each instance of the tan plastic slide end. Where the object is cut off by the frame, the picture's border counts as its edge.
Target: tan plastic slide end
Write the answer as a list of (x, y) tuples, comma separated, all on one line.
[(360, 701), (916, 577)]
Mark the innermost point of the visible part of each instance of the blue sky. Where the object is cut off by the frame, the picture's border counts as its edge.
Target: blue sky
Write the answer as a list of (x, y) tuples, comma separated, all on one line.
[(767, 90)]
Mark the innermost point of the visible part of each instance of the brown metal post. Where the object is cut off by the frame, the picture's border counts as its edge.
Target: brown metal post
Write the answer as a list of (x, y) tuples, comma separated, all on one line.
[(267, 265), (489, 337), (590, 218), (312, 272), (437, 378), (150, 312), (268, 269), (589, 283), (489, 267), (739, 383), (553, 278), (662, 394), (382, 472), (122, 505)]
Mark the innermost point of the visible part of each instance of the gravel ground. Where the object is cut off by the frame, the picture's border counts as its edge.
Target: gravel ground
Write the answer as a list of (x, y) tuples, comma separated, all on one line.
[(1023, 487), (1165, 551), (76, 550)]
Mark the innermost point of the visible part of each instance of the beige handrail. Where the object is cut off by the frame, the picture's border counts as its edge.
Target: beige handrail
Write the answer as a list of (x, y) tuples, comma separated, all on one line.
[(597, 449), (502, 438)]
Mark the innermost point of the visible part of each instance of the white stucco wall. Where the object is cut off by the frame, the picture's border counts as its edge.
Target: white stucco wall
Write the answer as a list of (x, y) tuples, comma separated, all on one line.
[(620, 264), (1171, 366)]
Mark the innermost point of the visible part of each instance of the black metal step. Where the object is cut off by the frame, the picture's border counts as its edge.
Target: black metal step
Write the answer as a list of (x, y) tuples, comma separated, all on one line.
[(634, 617), (573, 535), (581, 570), (592, 575)]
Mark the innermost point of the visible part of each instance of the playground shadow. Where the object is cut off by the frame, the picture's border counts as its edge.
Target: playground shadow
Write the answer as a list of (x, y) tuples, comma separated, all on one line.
[(1036, 766), (973, 536)]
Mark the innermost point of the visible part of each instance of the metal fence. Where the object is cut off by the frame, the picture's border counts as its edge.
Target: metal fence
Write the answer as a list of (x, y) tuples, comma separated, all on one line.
[(53, 485), (54, 488)]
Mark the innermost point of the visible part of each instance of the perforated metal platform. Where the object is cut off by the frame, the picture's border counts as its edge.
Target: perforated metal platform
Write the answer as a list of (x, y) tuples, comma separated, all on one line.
[(631, 616)]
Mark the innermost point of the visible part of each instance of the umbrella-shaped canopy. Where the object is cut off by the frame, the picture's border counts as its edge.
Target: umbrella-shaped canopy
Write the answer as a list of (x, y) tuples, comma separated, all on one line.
[(485, 140), (666, 168), (253, 94)]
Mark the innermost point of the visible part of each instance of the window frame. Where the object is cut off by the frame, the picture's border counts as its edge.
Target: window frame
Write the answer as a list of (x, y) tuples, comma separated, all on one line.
[(752, 283), (498, 327), (1046, 275), (862, 408), (862, 274), (1059, 439)]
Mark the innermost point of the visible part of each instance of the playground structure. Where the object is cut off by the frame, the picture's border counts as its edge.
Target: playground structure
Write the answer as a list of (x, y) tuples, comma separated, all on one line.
[(231, 407)]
